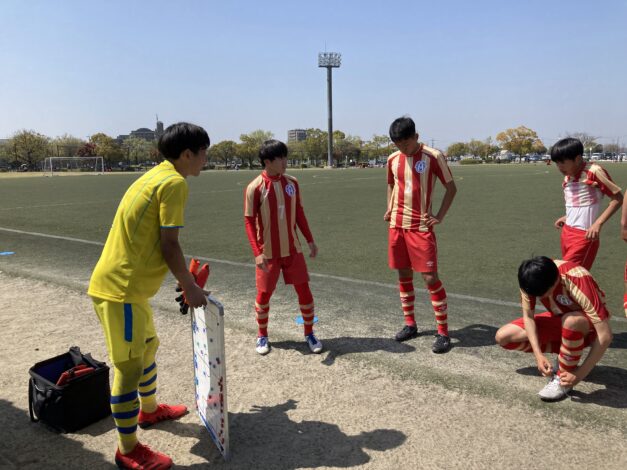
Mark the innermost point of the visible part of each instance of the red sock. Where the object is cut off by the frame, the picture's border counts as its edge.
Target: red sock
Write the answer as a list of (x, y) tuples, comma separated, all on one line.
[(440, 306), (571, 349), (625, 303), (406, 289), (262, 309), (306, 303)]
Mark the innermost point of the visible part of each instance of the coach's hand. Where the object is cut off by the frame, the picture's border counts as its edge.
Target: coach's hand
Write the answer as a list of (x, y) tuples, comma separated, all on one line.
[(544, 366), (195, 296), (313, 250), (261, 263), (559, 223)]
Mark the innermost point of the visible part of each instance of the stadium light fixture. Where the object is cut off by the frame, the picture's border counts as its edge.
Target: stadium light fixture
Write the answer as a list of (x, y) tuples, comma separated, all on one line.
[(330, 60)]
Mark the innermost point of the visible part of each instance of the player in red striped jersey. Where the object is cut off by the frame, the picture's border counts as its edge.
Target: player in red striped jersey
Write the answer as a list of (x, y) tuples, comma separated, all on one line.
[(272, 211), (576, 317), (584, 185), (412, 174)]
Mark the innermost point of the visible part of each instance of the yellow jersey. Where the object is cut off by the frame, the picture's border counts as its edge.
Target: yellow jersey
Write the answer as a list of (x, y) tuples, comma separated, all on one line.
[(131, 267)]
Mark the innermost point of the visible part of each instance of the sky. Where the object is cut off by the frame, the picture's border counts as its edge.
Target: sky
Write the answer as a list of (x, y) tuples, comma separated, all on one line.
[(460, 69)]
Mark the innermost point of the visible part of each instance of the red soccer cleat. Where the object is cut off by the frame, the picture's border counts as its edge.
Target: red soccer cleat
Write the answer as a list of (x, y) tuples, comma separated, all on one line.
[(142, 457), (162, 413)]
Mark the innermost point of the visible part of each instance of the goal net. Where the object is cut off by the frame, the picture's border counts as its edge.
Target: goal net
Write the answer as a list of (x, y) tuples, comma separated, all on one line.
[(87, 165)]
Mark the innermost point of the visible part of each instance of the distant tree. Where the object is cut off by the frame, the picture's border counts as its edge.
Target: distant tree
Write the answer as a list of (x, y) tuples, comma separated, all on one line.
[(612, 148), (107, 148), (66, 145), (251, 143), (28, 147), (137, 149), (222, 151), (520, 140), (316, 145), (87, 150), (457, 149), (589, 141)]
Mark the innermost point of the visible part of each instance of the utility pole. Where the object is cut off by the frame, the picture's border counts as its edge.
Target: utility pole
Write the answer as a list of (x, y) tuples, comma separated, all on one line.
[(330, 60)]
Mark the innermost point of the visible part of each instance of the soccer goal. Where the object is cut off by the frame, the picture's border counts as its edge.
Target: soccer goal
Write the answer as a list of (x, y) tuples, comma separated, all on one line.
[(86, 165)]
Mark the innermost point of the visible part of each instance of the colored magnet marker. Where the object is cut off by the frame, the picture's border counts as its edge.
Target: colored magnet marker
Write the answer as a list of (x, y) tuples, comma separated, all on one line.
[(6, 253), (299, 320)]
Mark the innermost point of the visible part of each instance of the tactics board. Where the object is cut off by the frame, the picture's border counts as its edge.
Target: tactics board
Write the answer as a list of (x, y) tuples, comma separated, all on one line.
[(210, 371)]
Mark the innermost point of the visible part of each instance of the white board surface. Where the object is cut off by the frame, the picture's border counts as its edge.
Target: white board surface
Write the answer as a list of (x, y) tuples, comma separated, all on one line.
[(210, 372)]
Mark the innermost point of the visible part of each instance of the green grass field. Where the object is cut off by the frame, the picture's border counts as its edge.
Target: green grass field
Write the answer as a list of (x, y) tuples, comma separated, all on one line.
[(501, 215)]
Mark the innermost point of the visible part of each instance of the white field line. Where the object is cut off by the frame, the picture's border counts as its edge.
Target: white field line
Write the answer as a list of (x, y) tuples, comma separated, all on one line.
[(483, 300), (250, 265)]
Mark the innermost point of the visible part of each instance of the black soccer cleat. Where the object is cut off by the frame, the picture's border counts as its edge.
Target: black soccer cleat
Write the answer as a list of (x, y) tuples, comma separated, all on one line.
[(441, 344), (408, 332)]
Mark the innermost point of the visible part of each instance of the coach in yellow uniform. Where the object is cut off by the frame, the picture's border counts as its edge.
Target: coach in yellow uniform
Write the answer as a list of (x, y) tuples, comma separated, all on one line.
[(141, 246)]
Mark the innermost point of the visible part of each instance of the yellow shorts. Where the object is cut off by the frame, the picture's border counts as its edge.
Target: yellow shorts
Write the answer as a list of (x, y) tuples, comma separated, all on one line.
[(126, 327)]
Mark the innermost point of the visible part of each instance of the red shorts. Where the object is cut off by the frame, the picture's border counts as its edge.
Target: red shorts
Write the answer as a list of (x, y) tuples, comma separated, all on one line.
[(412, 249), (577, 248), (549, 329), (294, 272)]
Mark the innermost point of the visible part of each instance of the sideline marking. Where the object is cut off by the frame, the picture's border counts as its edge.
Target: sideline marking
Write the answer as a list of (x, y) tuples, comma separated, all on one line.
[(250, 265)]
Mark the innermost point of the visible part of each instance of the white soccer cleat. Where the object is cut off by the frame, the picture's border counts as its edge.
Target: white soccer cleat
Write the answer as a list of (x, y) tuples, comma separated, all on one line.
[(263, 347), (314, 345), (553, 391)]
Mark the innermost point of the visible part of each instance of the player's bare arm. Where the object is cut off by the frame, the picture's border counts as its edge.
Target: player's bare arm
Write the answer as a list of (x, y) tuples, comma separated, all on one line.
[(313, 250), (174, 258), (615, 202), (387, 215), (623, 219), (447, 201), (597, 350), (544, 365), (559, 223)]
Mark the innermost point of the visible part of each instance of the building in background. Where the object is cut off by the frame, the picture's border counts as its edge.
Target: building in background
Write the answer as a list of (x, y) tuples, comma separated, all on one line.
[(296, 135), (143, 133)]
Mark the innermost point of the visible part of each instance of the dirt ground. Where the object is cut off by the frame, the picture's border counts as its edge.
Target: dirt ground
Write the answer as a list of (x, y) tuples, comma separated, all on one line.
[(287, 410)]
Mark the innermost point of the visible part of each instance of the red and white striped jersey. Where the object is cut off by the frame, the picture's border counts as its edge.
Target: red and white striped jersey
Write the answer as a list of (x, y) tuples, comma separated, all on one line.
[(576, 291), (413, 178), (272, 210), (583, 193)]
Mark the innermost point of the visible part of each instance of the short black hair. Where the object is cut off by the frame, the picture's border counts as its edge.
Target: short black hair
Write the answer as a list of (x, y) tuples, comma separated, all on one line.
[(566, 149), (537, 275), (272, 149), (402, 128), (180, 137)]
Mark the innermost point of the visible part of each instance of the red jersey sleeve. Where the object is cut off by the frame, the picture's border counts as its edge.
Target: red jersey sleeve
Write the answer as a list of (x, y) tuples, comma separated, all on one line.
[(587, 294), (301, 220), (600, 178), (251, 212)]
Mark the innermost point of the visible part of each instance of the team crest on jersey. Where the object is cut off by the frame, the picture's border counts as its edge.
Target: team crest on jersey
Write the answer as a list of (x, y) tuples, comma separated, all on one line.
[(562, 299), (290, 189), (420, 166)]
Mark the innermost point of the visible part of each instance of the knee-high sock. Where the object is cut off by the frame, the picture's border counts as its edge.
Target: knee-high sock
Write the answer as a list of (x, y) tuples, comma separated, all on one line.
[(306, 303), (262, 310), (124, 402), (625, 303), (440, 306), (406, 289), (571, 349), (148, 380)]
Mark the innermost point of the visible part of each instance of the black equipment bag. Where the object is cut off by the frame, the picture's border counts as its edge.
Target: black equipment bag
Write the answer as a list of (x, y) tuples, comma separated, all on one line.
[(79, 402)]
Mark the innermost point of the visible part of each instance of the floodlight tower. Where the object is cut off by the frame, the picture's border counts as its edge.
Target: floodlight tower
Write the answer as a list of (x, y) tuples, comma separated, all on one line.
[(330, 60)]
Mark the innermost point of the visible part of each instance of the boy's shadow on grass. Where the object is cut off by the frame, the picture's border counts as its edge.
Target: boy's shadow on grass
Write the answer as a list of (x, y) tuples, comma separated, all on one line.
[(614, 395), (266, 437), (619, 341), (336, 347), (473, 336), (32, 445)]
